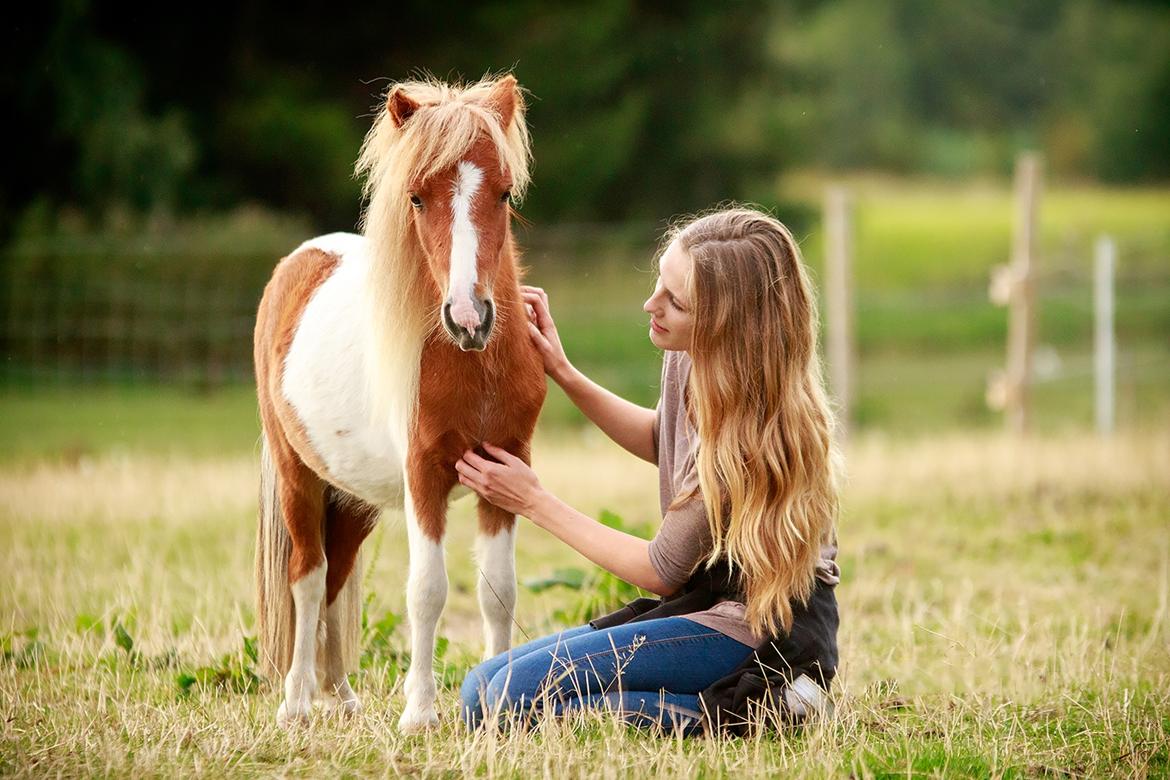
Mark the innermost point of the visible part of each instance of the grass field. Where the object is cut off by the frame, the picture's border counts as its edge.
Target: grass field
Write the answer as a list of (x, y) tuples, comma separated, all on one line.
[(1004, 602), (1004, 613)]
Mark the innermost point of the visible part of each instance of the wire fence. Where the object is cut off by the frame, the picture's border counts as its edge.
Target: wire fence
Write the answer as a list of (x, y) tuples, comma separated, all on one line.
[(73, 317)]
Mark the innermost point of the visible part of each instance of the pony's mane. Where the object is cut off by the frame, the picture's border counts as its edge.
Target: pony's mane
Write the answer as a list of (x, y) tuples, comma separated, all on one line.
[(448, 121)]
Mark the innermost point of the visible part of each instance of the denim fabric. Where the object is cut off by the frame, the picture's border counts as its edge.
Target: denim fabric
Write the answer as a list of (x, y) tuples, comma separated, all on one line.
[(650, 673)]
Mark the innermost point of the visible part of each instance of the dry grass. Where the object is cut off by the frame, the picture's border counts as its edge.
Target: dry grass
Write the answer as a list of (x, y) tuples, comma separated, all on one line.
[(1003, 612)]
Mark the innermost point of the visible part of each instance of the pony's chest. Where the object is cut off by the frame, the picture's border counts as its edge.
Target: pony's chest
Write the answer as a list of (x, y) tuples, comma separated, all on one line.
[(465, 402)]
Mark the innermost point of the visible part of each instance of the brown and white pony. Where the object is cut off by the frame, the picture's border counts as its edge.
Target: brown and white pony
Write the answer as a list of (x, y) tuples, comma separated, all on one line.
[(380, 358)]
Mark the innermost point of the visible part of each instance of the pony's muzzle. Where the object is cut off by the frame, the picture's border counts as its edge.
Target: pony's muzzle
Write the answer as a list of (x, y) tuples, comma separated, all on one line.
[(473, 332)]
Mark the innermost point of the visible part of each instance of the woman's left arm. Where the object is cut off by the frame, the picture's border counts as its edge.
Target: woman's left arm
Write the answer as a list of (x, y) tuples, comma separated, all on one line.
[(513, 486)]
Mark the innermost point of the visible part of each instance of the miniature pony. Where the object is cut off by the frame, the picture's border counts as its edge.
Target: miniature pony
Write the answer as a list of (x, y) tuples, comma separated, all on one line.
[(380, 359)]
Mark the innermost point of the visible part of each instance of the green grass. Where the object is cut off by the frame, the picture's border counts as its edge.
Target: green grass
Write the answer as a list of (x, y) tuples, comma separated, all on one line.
[(72, 423), (908, 392), (926, 235), (1003, 614)]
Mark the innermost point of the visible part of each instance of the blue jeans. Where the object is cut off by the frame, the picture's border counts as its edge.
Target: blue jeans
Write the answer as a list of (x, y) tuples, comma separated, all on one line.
[(649, 673)]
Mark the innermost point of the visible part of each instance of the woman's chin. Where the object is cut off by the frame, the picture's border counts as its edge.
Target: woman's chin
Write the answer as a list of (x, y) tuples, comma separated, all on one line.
[(660, 340)]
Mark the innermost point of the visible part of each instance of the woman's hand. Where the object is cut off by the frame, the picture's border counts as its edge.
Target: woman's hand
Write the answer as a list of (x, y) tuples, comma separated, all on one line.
[(544, 333), (509, 484)]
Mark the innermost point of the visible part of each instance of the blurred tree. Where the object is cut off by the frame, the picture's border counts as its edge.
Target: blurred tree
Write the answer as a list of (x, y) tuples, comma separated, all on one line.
[(639, 109)]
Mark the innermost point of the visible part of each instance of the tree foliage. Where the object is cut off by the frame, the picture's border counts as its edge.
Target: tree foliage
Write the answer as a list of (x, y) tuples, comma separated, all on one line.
[(639, 109)]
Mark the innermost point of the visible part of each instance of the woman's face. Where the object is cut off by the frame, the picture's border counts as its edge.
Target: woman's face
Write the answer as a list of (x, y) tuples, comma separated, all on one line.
[(671, 321)]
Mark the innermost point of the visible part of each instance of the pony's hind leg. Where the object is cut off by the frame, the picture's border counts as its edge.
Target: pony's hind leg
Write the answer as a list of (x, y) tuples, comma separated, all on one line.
[(495, 552), (426, 593), (348, 521), (302, 499)]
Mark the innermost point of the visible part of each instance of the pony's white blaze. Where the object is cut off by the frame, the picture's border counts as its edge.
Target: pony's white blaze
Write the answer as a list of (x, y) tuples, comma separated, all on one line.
[(464, 247)]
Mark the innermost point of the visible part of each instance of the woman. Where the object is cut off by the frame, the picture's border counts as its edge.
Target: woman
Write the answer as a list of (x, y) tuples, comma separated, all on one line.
[(745, 556)]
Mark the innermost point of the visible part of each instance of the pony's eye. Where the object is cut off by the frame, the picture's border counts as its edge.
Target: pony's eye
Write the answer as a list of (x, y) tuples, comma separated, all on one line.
[(506, 197), (415, 201)]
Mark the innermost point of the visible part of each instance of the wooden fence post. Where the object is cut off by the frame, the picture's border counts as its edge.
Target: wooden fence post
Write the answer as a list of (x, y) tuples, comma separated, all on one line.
[(1104, 345), (1014, 285), (839, 302)]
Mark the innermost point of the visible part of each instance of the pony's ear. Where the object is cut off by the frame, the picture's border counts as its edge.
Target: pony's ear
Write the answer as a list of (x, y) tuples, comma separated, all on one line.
[(503, 98), (401, 106)]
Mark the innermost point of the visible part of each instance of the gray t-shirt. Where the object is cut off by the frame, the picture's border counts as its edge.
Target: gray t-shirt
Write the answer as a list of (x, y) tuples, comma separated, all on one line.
[(684, 539)]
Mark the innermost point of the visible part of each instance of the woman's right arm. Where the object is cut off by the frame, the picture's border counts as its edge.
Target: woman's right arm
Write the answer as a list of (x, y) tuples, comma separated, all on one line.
[(627, 423)]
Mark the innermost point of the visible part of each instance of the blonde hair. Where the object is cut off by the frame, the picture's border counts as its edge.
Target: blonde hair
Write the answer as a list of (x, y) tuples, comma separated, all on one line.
[(766, 457), (448, 121)]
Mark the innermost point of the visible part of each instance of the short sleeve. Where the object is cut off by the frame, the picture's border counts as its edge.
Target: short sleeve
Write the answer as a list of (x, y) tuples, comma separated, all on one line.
[(682, 542)]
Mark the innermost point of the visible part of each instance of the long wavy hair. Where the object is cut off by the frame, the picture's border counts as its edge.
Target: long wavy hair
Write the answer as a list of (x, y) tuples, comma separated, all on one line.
[(766, 457)]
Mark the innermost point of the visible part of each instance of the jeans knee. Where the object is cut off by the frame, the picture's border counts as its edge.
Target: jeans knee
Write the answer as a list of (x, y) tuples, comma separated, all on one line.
[(471, 698)]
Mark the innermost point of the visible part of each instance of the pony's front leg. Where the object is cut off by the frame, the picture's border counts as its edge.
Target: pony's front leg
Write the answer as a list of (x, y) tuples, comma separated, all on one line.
[(495, 551), (426, 594)]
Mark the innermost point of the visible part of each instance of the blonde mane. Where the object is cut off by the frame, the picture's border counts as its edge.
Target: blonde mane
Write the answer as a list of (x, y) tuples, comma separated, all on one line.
[(448, 121)]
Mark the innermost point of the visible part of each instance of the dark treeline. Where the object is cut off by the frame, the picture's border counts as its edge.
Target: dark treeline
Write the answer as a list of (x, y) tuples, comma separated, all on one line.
[(638, 110)]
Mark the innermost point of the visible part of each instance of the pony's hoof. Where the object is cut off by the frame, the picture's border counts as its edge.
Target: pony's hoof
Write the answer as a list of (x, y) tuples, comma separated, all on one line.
[(289, 717), (416, 720)]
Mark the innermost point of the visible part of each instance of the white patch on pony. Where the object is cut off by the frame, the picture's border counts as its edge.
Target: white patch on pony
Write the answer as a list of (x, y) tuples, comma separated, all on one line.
[(464, 247), (325, 380), (300, 685), (497, 589), (426, 594), (340, 244)]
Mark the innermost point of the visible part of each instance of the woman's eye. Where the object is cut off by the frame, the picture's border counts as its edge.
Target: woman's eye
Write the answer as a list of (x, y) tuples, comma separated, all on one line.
[(415, 201)]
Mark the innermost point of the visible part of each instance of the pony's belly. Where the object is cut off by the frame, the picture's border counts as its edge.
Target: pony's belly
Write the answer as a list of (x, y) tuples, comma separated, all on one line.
[(372, 473), (324, 381)]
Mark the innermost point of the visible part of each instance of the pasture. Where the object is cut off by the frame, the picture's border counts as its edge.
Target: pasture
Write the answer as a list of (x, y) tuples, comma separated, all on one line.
[(1003, 604)]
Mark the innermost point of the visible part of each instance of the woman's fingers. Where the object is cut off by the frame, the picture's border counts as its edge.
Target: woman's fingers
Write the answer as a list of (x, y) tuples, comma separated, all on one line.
[(470, 458), (500, 454), (538, 337), (539, 304)]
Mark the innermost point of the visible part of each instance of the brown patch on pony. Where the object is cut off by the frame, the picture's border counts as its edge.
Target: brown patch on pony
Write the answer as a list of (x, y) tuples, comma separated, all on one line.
[(470, 398), (492, 519), (301, 473), (348, 521)]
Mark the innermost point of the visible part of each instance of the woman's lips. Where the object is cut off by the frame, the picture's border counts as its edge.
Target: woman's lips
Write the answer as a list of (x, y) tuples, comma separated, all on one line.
[(656, 327)]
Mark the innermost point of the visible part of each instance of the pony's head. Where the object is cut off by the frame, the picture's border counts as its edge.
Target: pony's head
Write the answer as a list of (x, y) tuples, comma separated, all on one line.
[(444, 165)]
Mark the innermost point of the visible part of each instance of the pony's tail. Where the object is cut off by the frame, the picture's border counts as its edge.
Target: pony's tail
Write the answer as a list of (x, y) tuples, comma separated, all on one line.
[(274, 603)]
